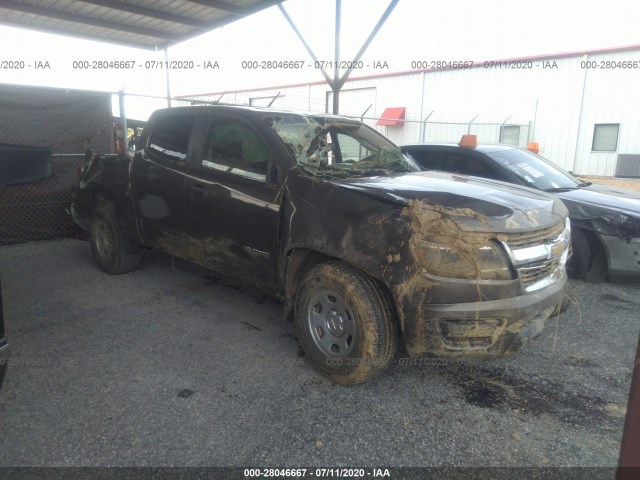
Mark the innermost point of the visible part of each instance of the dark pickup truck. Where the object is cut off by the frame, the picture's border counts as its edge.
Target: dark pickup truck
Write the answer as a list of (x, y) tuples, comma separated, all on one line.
[(325, 214)]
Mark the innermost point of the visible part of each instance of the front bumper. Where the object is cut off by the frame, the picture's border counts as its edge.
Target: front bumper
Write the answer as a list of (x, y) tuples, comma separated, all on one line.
[(4, 359), (480, 330)]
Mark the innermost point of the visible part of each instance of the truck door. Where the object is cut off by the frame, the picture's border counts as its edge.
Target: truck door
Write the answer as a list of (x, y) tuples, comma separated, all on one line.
[(232, 201), (158, 177)]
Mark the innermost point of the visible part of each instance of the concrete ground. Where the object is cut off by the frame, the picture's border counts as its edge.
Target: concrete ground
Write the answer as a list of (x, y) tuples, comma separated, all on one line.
[(628, 183), (164, 367)]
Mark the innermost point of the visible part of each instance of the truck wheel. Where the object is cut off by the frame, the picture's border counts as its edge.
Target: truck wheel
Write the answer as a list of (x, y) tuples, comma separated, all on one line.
[(114, 254), (345, 323), (580, 258)]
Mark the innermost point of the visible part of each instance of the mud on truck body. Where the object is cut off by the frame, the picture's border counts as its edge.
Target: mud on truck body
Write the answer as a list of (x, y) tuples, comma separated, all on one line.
[(325, 214)]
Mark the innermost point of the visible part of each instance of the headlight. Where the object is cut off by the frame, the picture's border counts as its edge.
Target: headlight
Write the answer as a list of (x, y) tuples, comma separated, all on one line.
[(484, 262)]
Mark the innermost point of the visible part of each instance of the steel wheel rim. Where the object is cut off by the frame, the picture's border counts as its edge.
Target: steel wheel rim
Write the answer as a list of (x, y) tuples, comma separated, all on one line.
[(331, 324), (104, 241)]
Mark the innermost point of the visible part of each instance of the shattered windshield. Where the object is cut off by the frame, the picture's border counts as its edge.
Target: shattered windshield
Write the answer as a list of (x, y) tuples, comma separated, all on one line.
[(339, 148)]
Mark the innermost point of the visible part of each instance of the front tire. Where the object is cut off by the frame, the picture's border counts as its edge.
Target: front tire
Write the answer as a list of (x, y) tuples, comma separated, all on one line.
[(114, 254), (580, 260), (588, 260), (345, 323)]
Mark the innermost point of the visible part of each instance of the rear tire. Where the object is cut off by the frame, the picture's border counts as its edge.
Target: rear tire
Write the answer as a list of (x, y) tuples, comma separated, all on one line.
[(114, 253), (345, 323)]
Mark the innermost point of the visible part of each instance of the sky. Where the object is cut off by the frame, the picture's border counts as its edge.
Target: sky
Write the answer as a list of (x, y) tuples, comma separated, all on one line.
[(417, 30)]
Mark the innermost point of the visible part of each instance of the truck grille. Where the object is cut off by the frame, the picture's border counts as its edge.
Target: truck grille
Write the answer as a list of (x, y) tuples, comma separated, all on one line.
[(529, 239), (539, 256), (531, 273)]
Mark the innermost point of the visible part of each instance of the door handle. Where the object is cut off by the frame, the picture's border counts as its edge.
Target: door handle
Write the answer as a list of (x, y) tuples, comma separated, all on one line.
[(199, 190)]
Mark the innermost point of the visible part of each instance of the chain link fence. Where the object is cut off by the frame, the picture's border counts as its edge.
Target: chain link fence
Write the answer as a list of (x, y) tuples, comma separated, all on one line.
[(410, 129), (44, 134), (36, 182), (39, 210)]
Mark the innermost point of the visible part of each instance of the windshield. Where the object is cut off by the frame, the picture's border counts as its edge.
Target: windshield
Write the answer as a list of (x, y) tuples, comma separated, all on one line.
[(339, 148), (534, 170)]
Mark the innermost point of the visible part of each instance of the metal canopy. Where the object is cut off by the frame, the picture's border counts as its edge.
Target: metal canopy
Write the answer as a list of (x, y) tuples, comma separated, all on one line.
[(149, 24), (338, 81)]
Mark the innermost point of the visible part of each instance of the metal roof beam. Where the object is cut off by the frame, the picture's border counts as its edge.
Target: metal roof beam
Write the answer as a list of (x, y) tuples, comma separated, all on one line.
[(80, 36), (227, 7), (224, 20), (304, 43), (149, 12), (81, 19), (234, 9), (374, 32)]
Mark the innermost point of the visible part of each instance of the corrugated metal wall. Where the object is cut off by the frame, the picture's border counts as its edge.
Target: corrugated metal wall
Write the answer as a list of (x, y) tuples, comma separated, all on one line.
[(561, 99), (611, 96)]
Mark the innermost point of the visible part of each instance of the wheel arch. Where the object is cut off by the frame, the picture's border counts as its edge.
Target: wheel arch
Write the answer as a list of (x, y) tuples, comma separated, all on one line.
[(300, 260), (343, 313), (125, 214), (598, 246), (597, 251), (101, 196)]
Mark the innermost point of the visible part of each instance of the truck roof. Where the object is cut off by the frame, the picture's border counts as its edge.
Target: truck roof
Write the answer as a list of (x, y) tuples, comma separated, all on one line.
[(252, 109)]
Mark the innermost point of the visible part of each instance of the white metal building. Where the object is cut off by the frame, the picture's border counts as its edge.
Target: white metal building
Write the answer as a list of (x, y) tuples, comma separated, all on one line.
[(582, 108)]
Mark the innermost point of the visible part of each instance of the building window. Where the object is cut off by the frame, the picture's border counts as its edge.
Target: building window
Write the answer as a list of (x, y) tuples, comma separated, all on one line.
[(605, 137), (510, 134)]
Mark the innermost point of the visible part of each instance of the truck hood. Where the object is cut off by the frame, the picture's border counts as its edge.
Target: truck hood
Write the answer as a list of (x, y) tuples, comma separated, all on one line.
[(480, 204)]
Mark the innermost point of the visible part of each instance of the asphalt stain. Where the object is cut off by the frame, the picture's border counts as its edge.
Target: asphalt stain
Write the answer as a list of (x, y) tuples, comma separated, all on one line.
[(483, 395), (582, 362), (610, 297), (252, 326), (501, 391), (256, 297), (186, 393)]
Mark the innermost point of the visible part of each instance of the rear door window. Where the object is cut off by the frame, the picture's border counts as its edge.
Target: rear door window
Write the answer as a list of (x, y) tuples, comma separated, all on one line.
[(169, 140), (428, 159), (467, 165)]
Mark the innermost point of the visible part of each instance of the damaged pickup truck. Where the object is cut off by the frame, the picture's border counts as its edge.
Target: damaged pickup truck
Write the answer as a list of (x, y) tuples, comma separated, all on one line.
[(328, 216)]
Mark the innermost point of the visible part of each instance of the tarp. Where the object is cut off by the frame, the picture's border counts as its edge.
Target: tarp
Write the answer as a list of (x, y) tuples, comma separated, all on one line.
[(67, 121), (58, 122), (21, 164)]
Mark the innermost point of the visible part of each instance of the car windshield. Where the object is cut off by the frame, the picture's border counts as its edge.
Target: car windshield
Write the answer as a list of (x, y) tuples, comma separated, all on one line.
[(338, 148), (535, 171)]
